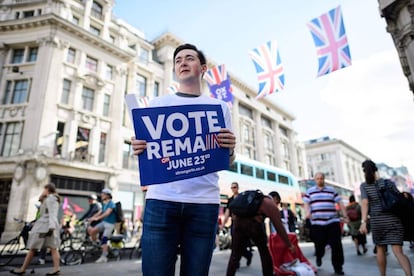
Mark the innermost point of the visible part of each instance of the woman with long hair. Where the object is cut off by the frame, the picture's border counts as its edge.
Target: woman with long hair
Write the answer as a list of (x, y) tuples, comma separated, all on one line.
[(45, 231), (386, 227)]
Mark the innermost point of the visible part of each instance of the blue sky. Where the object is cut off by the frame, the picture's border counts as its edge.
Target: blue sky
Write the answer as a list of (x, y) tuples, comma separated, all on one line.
[(367, 105)]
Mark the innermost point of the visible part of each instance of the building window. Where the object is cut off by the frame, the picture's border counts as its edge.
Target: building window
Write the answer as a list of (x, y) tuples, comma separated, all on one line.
[(268, 141), (268, 159), (67, 84), (143, 55), (156, 89), (129, 161), (94, 30), (10, 137), (96, 10), (102, 148), (27, 14), (141, 85), (71, 55), (59, 138), (16, 92), (112, 39), (17, 56), (75, 20), (283, 131), (82, 144), (285, 150), (91, 64), (32, 54), (87, 98), (109, 72), (245, 111), (106, 105), (266, 122)]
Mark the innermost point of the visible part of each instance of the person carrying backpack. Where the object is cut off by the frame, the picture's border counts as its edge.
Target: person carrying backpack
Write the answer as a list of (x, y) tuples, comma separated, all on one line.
[(249, 210), (353, 211), (106, 226)]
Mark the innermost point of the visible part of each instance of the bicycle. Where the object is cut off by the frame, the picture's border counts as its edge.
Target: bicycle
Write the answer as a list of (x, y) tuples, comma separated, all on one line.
[(12, 247), (93, 249)]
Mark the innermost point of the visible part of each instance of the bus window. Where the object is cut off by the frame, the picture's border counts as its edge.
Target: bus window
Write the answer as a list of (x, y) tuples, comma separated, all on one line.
[(283, 179), (260, 173), (233, 167), (271, 176), (246, 169)]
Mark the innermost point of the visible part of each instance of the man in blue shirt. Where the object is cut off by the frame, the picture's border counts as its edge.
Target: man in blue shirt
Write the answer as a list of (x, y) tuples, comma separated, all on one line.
[(106, 226)]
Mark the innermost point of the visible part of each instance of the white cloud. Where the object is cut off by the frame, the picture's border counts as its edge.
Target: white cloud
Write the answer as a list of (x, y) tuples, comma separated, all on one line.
[(375, 108)]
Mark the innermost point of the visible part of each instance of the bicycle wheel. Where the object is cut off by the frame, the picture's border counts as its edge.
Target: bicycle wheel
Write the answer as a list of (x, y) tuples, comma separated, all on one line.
[(9, 251), (74, 257)]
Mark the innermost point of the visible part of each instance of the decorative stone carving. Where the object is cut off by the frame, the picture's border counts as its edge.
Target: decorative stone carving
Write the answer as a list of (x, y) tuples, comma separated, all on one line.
[(94, 80)]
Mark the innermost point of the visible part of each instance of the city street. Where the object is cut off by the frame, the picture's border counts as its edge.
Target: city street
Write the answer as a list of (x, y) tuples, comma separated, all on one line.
[(354, 265)]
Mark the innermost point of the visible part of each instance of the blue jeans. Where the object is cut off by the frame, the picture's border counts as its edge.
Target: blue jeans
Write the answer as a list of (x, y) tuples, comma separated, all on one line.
[(172, 228)]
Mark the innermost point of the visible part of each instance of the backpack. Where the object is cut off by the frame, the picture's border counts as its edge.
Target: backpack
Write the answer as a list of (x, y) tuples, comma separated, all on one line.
[(247, 203), (353, 214), (119, 214)]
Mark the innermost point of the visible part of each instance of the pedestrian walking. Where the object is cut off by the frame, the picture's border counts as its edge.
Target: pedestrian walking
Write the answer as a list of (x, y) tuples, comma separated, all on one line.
[(45, 231), (386, 228), (320, 202), (353, 210)]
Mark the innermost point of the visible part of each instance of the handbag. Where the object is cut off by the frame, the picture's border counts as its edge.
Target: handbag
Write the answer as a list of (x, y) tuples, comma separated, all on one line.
[(391, 199)]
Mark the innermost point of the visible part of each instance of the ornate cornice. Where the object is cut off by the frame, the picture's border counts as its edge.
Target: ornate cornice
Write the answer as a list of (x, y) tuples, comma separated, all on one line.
[(58, 23)]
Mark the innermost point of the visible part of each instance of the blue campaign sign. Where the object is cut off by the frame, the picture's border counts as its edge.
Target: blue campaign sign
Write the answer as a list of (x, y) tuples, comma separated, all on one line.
[(182, 142)]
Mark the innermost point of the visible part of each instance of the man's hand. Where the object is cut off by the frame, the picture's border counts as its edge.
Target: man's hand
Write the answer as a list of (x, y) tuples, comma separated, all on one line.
[(227, 139), (138, 146), (363, 228)]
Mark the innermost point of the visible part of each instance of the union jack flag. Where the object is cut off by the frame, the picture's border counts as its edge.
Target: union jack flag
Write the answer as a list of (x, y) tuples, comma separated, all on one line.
[(328, 33), (269, 68), (219, 84)]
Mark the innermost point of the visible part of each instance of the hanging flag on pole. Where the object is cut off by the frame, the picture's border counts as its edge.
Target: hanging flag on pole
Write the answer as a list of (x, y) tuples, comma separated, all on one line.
[(219, 84), (269, 68), (328, 33)]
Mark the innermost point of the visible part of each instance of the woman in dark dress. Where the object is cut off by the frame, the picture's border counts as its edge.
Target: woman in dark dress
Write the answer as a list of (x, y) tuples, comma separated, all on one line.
[(386, 227)]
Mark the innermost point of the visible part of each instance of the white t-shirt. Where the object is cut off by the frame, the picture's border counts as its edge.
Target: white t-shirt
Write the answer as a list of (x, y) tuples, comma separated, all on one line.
[(201, 189)]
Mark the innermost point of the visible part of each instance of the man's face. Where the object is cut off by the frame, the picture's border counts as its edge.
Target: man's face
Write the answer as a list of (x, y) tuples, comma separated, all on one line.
[(319, 179), (234, 189), (187, 65)]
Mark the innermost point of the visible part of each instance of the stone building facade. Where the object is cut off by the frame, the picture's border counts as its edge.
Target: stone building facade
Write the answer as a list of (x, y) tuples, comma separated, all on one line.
[(399, 15)]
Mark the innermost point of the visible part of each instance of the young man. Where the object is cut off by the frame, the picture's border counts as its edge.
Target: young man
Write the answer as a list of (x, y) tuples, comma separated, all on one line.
[(320, 208), (181, 216), (107, 224)]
